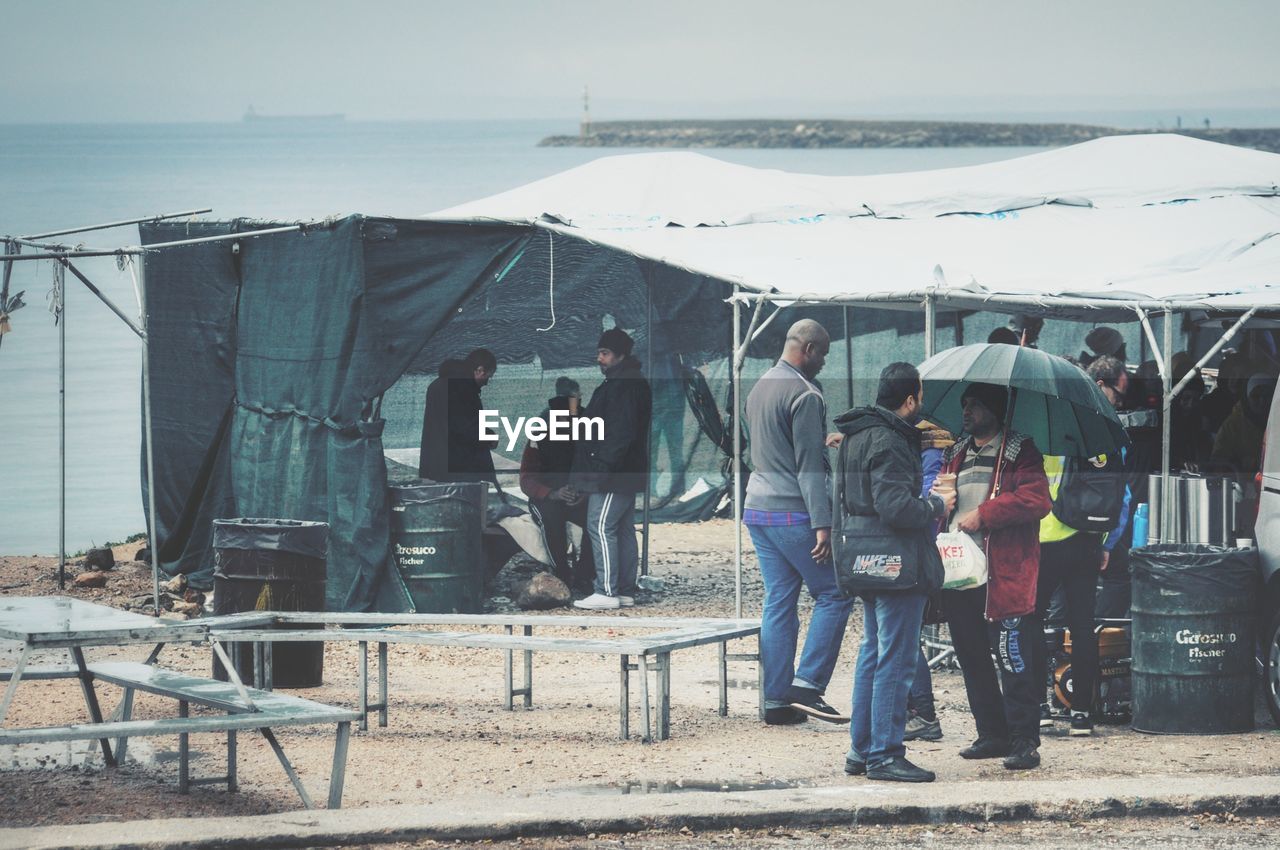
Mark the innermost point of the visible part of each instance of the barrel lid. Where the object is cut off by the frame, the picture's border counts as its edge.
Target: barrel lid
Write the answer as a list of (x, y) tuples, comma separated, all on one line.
[(472, 492), (1196, 567), (301, 537)]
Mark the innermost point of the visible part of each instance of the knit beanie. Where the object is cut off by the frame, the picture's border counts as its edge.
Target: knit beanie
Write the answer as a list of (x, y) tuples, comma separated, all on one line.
[(616, 340)]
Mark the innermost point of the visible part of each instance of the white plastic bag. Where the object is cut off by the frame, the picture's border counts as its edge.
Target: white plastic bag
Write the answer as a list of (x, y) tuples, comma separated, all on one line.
[(963, 560)]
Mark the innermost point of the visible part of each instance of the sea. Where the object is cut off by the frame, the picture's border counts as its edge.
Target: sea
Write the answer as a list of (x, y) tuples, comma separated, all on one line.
[(55, 177)]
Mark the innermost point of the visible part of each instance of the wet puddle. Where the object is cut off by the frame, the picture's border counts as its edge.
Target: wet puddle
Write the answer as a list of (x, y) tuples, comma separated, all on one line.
[(57, 755)]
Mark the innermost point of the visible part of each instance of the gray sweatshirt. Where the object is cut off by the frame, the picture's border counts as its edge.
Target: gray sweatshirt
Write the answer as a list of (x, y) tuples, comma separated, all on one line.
[(786, 423)]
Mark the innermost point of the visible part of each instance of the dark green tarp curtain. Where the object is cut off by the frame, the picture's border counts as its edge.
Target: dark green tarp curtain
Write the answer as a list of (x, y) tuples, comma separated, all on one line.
[(268, 355)]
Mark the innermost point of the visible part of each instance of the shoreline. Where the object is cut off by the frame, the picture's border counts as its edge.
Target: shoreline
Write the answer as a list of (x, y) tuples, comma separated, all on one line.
[(806, 133)]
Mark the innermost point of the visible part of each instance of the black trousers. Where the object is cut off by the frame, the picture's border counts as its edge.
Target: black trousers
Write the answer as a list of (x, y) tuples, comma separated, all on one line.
[(1006, 706), (1073, 565), (551, 515)]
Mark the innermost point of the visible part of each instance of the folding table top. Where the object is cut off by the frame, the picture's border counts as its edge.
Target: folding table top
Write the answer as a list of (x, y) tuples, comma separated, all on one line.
[(63, 621)]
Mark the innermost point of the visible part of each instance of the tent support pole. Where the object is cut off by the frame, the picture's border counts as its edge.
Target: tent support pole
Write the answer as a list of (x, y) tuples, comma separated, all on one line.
[(104, 299), (1151, 338), (930, 325), (648, 439), (1213, 352), (62, 428), (848, 356), (111, 224), (736, 365), (1166, 374), (153, 543)]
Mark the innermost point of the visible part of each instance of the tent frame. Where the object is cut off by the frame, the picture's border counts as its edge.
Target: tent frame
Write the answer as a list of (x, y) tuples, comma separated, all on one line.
[(63, 254), (928, 300)]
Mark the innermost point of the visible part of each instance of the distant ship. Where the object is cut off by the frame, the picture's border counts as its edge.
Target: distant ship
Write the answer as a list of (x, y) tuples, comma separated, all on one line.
[(253, 116)]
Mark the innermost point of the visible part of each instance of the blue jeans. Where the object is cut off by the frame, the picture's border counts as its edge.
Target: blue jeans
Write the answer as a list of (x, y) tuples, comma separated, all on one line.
[(785, 564), (882, 679)]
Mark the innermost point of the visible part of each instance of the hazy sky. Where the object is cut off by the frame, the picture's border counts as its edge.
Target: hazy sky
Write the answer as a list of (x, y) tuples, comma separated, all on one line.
[(164, 60)]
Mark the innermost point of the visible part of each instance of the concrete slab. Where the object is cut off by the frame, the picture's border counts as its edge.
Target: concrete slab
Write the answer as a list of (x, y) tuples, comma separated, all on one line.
[(857, 802)]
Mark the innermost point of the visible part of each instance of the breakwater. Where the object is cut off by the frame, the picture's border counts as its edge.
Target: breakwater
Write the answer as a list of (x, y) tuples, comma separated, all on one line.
[(873, 134)]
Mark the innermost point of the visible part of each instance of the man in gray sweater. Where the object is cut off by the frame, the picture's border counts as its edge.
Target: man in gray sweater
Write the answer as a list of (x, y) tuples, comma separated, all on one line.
[(788, 513)]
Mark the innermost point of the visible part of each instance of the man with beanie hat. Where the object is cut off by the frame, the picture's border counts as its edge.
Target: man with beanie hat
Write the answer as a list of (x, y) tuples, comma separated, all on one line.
[(1001, 496), (613, 469), (1103, 342)]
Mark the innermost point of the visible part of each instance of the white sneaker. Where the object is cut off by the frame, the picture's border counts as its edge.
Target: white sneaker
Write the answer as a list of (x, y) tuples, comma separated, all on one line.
[(599, 602), (626, 601)]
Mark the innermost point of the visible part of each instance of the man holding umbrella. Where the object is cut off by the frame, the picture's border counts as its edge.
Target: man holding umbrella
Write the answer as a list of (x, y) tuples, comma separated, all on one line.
[(1002, 494)]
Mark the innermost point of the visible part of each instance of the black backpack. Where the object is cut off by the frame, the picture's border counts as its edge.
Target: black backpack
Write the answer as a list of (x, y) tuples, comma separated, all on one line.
[(1090, 497)]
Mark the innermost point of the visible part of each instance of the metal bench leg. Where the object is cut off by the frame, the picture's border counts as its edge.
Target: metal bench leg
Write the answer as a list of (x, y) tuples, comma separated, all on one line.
[(507, 664), (382, 683), (184, 754), (258, 680), (338, 776), (644, 695), (268, 666), (155, 654), (288, 768), (724, 678), (91, 700), (363, 651), (232, 784), (126, 713), (664, 696), (528, 671), (624, 697), (13, 681)]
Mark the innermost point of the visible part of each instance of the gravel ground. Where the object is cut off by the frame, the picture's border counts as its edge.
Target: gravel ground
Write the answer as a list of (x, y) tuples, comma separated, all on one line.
[(449, 736)]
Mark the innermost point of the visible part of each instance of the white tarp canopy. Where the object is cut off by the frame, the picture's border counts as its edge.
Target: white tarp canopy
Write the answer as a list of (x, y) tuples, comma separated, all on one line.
[(1145, 218)]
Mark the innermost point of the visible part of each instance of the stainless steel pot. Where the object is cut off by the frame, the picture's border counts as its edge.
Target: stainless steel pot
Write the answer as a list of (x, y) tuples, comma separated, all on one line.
[(1202, 510)]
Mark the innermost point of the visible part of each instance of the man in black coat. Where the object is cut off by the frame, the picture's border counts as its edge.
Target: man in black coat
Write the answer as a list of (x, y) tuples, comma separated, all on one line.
[(612, 468), (451, 446), (883, 522)]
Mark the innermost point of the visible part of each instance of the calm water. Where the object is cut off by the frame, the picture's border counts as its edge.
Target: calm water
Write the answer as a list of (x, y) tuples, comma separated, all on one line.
[(55, 177)]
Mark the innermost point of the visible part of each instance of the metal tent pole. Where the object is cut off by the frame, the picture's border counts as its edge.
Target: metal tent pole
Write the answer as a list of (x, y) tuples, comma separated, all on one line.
[(111, 224), (848, 356), (60, 271), (930, 325), (648, 479), (1166, 375), (735, 364), (153, 543)]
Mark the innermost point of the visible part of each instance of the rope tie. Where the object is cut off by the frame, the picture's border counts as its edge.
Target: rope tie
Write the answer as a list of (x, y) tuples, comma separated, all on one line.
[(551, 294)]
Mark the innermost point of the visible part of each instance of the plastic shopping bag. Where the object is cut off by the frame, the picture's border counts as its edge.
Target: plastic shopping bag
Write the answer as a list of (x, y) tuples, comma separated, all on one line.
[(963, 561)]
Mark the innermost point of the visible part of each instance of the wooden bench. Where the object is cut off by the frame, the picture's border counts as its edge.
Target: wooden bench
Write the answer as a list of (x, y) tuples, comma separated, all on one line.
[(246, 708)]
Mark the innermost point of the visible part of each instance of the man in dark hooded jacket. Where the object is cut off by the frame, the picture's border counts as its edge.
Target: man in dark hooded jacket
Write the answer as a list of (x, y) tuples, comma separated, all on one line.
[(451, 446), (613, 468), (878, 498)]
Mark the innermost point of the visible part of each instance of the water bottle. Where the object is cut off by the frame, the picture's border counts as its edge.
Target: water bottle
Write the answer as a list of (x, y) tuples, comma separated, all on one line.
[(1141, 524)]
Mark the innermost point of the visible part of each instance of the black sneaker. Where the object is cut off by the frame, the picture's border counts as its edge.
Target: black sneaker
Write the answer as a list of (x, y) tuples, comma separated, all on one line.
[(811, 703), (900, 770), (854, 767), (1081, 724), (1023, 756), (986, 748), (783, 715), (1046, 716)]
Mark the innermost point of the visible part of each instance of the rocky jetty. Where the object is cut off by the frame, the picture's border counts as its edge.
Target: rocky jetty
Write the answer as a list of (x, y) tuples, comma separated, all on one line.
[(872, 134)]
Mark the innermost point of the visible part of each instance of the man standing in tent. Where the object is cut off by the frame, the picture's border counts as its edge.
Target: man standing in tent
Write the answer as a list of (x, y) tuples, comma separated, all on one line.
[(451, 446), (613, 469), (788, 513)]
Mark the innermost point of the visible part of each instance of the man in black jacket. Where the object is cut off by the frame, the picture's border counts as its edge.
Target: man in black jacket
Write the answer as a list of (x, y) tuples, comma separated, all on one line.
[(878, 498), (451, 446), (613, 469)]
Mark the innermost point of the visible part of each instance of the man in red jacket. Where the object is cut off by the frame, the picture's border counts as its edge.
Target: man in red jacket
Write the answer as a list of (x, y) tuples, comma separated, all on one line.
[(1001, 495)]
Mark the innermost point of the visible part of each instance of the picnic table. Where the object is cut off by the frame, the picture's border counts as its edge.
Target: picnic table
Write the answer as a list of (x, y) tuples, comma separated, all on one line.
[(52, 622)]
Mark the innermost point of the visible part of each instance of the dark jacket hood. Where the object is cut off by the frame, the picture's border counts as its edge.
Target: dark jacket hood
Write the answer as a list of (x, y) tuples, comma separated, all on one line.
[(859, 419)]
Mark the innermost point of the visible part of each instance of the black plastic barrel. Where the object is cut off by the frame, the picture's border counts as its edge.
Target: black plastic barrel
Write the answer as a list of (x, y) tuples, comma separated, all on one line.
[(1193, 632), (272, 565), (436, 541)]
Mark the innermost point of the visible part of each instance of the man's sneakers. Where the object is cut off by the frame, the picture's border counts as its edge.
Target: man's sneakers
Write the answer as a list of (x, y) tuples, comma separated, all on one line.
[(627, 601), (1023, 756), (986, 748), (1046, 716), (854, 767), (919, 729), (1081, 724), (810, 702), (783, 715), (600, 602), (899, 770)]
